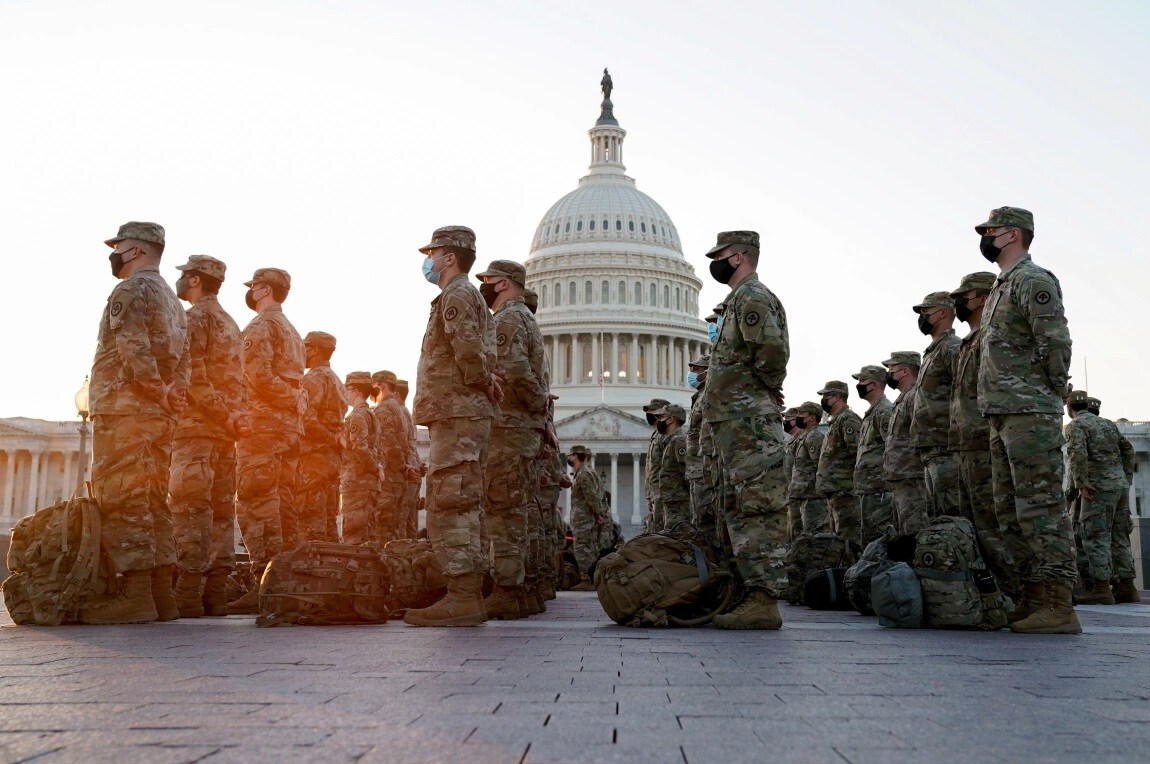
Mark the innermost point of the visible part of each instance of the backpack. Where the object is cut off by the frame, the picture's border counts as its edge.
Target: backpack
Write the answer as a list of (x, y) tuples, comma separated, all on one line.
[(417, 578), (896, 597), (957, 590), (324, 583), (875, 559), (824, 590), (661, 579), (810, 553), (55, 559)]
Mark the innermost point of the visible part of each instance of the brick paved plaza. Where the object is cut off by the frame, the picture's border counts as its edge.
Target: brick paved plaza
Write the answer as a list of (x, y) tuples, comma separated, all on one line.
[(572, 686)]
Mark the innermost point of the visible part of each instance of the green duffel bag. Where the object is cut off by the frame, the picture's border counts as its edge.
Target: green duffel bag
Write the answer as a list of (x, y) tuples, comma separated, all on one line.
[(896, 597)]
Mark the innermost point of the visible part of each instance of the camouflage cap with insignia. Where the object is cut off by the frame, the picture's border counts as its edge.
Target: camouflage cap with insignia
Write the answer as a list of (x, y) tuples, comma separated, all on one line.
[(272, 277), (205, 264), (1077, 396), (871, 373), (906, 357), (702, 362), (835, 386), (579, 451), (656, 403), (935, 300), (358, 378), (712, 319), (983, 281), (320, 340), (384, 378), (451, 236), (402, 385), (727, 238), (505, 269), (531, 299), (812, 408), (1007, 217), (1093, 404), (675, 410), (153, 232), (790, 413)]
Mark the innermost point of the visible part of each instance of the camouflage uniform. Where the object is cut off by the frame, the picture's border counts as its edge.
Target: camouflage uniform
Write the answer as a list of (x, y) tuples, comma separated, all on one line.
[(455, 368), (320, 452), (702, 490), (1100, 457), (673, 490), (653, 520), (202, 487), (589, 514), (390, 513), (836, 471), (801, 488), (268, 457), (359, 474), (744, 383), (411, 496), (1024, 347), (900, 462), (549, 467), (876, 511), (930, 416), (794, 506), (142, 349)]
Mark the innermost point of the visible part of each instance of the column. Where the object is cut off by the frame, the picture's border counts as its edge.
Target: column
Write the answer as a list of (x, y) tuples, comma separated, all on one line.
[(614, 359), (33, 479), (615, 486), (596, 360), (577, 359), (9, 479), (69, 483), (633, 359), (45, 465), (652, 360), (638, 505)]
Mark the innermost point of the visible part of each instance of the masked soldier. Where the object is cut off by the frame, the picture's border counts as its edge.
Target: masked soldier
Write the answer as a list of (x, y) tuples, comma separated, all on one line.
[(359, 479), (590, 517), (930, 403), (836, 472), (415, 468), (321, 455), (674, 492), (653, 521), (813, 512), (391, 517), (698, 465), (876, 511), (900, 461)]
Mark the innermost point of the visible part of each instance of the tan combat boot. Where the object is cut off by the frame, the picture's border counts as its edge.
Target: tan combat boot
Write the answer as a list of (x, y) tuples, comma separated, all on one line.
[(462, 606), (758, 611), (189, 594), (535, 597), (584, 586), (1033, 595), (1126, 591), (1057, 615), (1097, 593), (216, 592), (503, 603), (132, 605), (166, 608), (249, 604)]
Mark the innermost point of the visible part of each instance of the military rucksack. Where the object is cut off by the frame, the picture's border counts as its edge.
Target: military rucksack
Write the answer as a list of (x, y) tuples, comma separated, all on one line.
[(417, 578), (324, 583), (56, 562), (958, 592), (812, 552), (857, 579), (896, 597), (672, 578), (824, 590)]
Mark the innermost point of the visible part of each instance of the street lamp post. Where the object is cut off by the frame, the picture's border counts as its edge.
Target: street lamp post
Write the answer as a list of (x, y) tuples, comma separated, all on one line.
[(85, 428)]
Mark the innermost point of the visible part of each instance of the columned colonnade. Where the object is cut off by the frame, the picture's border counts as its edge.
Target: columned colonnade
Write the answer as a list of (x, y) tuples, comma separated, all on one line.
[(622, 358), (34, 478)]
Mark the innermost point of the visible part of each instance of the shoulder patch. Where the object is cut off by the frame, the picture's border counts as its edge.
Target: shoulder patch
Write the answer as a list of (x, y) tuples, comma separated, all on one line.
[(850, 430), (450, 313), (682, 451), (752, 318), (247, 344), (501, 339), (116, 309), (1042, 297)]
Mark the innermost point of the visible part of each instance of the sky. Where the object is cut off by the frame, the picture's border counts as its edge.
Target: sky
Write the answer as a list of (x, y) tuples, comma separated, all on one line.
[(862, 140)]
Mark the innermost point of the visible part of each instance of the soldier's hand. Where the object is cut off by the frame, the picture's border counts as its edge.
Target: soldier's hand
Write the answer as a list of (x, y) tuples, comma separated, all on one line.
[(301, 402), (549, 437), (565, 481), (494, 390), (1087, 492), (779, 398), (414, 473), (423, 469), (238, 425), (174, 399)]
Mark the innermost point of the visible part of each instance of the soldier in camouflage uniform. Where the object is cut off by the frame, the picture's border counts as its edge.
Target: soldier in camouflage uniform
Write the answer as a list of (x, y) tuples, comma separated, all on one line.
[(140, 375), (320, 452), (457, 394), (203, 475), (390, 512), (673, 489), (1101, 469), (360, 472), (267, 459), (653, 520), (590, 516), (808, 442), (970, 439), (791, 432), (1025, 350), (836, 473), (416, 468), (515, 441), (1124, 589), (900, 462), (876, 510), (700, 453), (930, 404), (742, 405)]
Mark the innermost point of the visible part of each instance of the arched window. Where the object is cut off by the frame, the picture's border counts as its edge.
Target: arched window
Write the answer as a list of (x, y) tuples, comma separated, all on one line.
[(571, 293), (579, 226), (605, 225), (678, 300), (558, 295), (638, 293), (666, 296), (591, 225), (587, 292), (546, 290), (604, 293), (652, 301), (568, 228), (556, 229), (631, 226), (622, 292), (641, 363), (643, 227), (618, 225), (588, 369), (623, 360)]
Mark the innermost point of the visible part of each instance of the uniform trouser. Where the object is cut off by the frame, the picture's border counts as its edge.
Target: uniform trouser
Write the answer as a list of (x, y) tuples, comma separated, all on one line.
[(131, 456), (359, 495), (794, 518), (998, 542), (845, 516), (1104, 526), (753, 508), (675, 512), (456, 491), (704, 499), (266, 464), (202, 492), (815, 515), (588, 541), (940, 474), (411, 508), (877, 513), (510, 479), (1027, 470), (910, 504), (317, 494), (548, 501), (390, 512)]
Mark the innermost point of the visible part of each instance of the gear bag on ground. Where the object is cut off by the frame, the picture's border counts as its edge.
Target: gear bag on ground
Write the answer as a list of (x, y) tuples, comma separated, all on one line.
[(812, 552), (958, 592), (324, 583)]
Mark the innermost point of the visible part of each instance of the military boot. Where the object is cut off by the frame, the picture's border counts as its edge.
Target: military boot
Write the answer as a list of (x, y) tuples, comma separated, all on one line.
[(547, 590), (249, 604), (133, 604), (1056, 616), (462, 606), (215, 592), (1096, 593), (523, 597), (535, 595), (584, 586), (166, 608), (189, 594), (503, 603), (1126, 591), (758, 611), (1033, 595)]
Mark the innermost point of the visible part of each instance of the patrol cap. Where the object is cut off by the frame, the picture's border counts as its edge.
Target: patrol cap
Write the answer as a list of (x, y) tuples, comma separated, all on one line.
[(384, 378), (836, 386), (656, 403), (675, 410), (1007, 217), (871, 373), (209, 266), (1077, 396), (712, 319), (153, 232), (790, 413), (727, 238), (935, 300), (982, 281), (702, 362), (359, 379), (907, 357), (271, 277), (505, 269), (812, 408), (402, 386), (531, 299), (1094, 405), (579, 451), (320, 340), (451, 236)]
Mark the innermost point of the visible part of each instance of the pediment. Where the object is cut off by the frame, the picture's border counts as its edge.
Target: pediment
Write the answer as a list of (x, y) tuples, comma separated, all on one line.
[(601, 423), (8, 429)]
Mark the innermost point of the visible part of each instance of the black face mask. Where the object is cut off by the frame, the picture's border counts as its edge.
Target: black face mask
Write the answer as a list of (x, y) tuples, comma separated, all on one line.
[(924, 324), (962, 310), (891, 382), (662, 428), (862, 390), (250, 300), (800, 423), (489, 294), (788, 426), (117, 261), (722, 270), (826, 404), (651, 418), (571, 463), (986, 246)]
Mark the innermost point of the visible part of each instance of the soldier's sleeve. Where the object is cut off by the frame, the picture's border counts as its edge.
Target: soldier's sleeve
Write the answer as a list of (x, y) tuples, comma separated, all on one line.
[(360, 445), (763, 325), (202, 392), (1040, 300), (1128, 458), (882, 422), (182, 375), (1078, 454), (130, 315), (392, 447), (850, 431), (512, 344), (822, 466), (461, 324), (258, 348)]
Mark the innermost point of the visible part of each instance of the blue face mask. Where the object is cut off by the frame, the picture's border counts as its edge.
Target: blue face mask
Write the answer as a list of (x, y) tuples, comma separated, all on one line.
[(429, 271), (713, 332), (693, 379)]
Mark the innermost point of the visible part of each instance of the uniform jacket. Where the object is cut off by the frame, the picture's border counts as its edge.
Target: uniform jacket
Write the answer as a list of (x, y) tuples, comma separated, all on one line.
[(519, 348), (900, 461), (673, 486), (326, 406), (930, 403), (969, 430), (273, 358), (808, 446), (869, 476), (836, 474), (216, 388), (1099, 455)]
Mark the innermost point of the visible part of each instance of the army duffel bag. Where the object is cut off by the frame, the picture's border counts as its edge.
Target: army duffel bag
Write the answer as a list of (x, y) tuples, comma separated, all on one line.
[(327, 584), (417, 578), (958, 592), (812, 552), (824, 590)]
